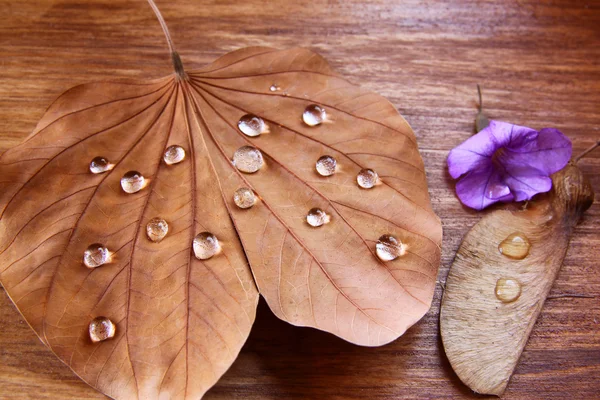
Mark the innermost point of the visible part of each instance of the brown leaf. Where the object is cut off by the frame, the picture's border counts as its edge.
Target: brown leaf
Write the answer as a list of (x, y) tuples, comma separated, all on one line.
[(181, 321), (502, 274)]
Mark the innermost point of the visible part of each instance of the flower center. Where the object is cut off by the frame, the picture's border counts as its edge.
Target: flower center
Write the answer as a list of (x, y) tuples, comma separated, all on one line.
[(497, 159)]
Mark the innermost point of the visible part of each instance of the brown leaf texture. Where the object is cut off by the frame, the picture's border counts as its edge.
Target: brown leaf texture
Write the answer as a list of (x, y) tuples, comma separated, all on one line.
[(181, 321), (484, 333)]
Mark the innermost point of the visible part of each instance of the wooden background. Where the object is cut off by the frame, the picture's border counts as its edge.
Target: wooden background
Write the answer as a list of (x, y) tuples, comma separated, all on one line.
[(538, 63)]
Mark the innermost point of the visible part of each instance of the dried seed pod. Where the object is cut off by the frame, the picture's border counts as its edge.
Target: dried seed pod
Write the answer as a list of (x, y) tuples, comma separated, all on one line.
[(491, 301)]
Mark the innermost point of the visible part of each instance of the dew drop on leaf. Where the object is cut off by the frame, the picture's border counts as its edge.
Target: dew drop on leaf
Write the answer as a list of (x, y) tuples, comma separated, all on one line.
[(274, 88), (248, 159), (244, 198), (96, 255), (326, 166), (317, 217), (174, 155), (99, 165), (251, 125), (507, 290), (101, 328), (367, 178), (206, 245), (157, 229), (314, 115), (389, 248), (132, 182), (515, 246)]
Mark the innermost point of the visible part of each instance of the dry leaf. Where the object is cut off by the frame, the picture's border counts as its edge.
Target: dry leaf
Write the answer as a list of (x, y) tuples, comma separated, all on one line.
[(181, 321), (502, 274)]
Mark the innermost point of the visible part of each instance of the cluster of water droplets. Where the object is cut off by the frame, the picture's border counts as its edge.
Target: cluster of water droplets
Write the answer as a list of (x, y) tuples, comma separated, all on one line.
[(204, 245), (516, 246), (247, 159)]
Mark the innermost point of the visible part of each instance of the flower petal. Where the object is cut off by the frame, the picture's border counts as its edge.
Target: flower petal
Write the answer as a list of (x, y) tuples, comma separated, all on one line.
[(477, 151), (510, 135), (548, 154), (480, 188), (527, 167), (462, 160), (507, 162), (525, 181)]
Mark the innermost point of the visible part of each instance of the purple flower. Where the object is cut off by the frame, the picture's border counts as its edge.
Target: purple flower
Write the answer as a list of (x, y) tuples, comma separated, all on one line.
[(506, 162)]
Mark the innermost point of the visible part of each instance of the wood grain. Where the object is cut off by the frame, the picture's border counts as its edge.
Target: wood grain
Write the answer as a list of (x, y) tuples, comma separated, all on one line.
[(538, 63)]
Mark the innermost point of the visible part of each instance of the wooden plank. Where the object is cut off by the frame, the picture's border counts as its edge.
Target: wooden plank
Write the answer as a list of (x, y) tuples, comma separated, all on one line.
[(538, 63)]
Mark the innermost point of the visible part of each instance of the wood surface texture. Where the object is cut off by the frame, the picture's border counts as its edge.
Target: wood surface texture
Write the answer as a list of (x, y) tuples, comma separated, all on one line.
[(538, 63)]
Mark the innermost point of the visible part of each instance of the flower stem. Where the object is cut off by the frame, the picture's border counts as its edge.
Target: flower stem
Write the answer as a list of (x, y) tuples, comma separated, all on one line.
[(177, 64), (481, 121), (579, 157)]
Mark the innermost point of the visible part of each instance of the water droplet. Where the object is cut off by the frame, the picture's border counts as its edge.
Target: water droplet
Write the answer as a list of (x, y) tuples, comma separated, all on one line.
[(274, 88), (314, 115), (206, 245), (497, 190), (174, 155), (157, 229), (515, 246), (389, 248), (132, 182), (102, 328), (96, 255), (326, 166), (507, 290), (317, 217), (367, 178), (251, 125), (99, 165), (244, 198), (248, 159)]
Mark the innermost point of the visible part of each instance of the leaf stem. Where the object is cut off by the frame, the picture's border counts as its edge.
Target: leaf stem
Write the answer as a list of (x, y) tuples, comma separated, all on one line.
[(177, 64), (579, 157), (480, 100)]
